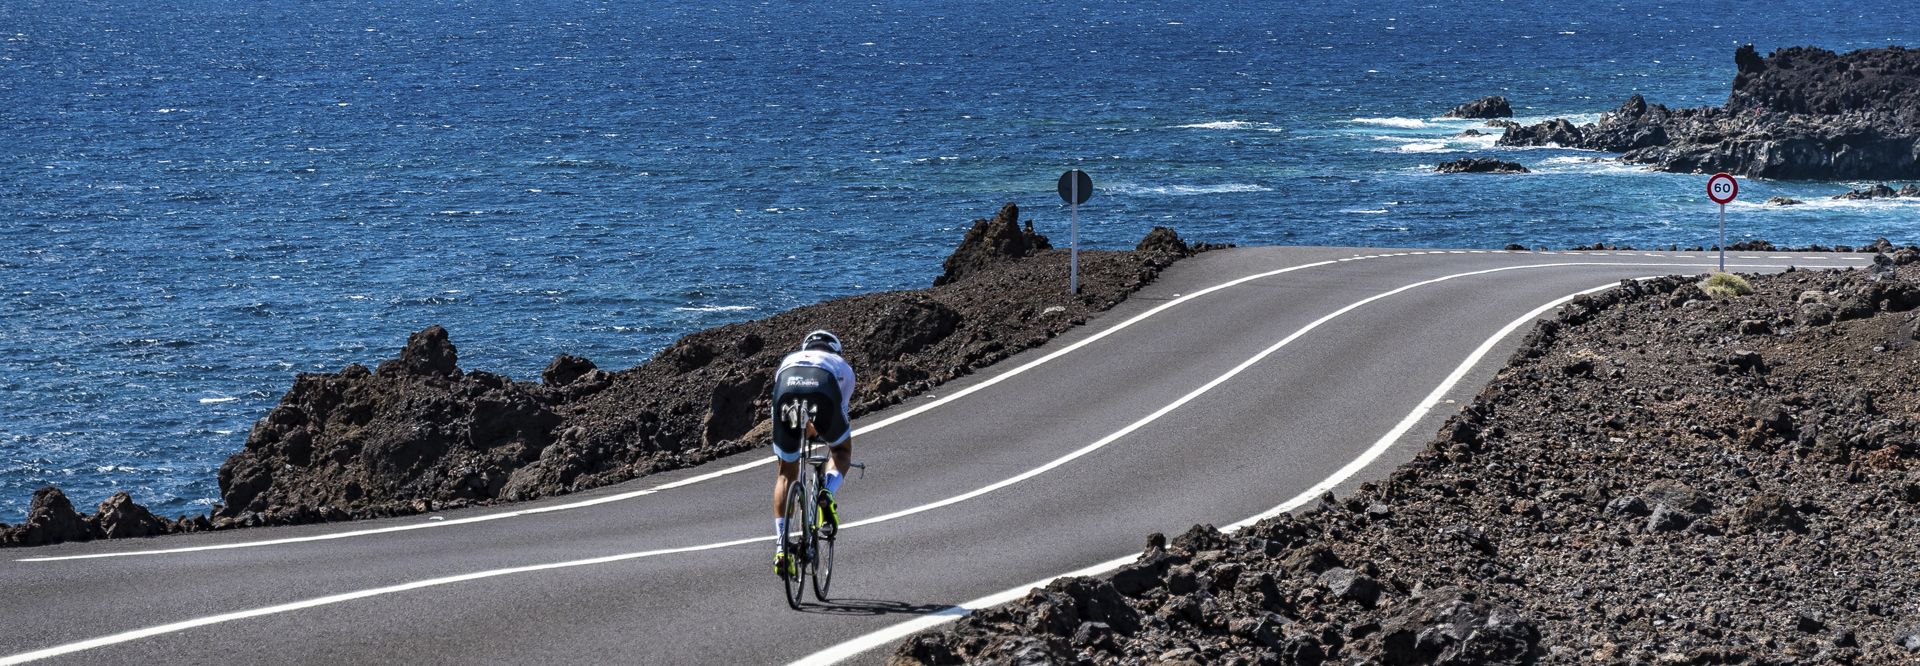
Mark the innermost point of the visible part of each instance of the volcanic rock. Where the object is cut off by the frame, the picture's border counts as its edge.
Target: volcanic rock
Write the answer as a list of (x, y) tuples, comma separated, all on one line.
[(50, 519), (564, 369), (990, 241), (1587, 523), (119, 518), (1485, 107), (1879, 192), (1163, 240), (1783, 201), (1799, 113), (1479, 165)]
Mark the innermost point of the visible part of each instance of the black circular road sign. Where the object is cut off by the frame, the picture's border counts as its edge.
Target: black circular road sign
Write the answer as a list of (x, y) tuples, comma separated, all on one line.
[(1067, 186)]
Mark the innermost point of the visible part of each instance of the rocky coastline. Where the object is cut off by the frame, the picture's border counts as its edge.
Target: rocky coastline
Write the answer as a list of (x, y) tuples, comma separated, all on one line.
[(1800, 113), (417, 433), (1657, 476)]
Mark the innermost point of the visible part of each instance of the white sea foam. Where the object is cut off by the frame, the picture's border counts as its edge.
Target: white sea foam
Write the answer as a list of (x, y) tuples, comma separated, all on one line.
[(1185, 190), (1425, 147), (209, 401), (716, 308), (1403, 123), (1234, 125), (1581, 164), (1364, 211)]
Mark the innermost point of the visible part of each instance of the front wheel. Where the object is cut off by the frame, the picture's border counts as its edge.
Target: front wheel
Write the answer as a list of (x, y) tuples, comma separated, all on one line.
[(795, 544), (822, 565)]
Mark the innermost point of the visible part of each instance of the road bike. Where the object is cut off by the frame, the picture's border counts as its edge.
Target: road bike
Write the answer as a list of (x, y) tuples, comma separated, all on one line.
[(809, 548)]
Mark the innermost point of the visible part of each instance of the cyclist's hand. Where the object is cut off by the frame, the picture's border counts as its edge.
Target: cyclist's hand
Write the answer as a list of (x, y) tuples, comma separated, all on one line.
[(812, 432)]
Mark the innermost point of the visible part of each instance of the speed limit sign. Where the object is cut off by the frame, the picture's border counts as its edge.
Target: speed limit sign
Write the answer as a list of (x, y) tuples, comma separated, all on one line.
[(1722, 188)]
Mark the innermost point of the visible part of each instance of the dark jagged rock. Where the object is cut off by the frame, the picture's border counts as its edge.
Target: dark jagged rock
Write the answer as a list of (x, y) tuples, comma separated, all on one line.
[(1634, 511), (120, 518), (1783, 201), (1799, 113), (50, 519), (1163, 240), (1485, 107), (428, 352), (1479, 165), (991, 241), (1880, 192), (565, 369)]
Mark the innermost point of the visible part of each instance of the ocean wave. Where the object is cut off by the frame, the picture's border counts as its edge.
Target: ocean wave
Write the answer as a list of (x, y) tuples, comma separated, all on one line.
[(1234, 125), (1825, 203), (716, 308), (1582, 164), (1185, 190), (1403, 123), (1364, 211), (1424, 147), (210, 401)]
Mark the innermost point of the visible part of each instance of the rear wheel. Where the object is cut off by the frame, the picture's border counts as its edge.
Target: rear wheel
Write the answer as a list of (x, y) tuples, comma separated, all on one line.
[(794, 544)]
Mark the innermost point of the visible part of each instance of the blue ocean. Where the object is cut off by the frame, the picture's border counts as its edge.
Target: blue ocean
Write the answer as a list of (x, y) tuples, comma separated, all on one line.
[(203, 198)]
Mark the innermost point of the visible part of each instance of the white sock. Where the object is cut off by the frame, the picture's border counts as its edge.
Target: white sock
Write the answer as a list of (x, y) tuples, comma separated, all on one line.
[(833, 481), (779, 532)]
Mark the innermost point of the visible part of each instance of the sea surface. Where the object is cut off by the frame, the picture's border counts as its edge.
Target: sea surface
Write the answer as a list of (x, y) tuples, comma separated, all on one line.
[(199, 199)]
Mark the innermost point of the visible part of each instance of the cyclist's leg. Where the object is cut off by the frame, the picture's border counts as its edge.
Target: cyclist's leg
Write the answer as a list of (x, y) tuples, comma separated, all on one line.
[(837, 432)]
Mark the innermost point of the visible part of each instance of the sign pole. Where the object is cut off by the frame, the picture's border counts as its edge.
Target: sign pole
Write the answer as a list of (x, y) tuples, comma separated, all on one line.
[(1721, 189), (1073, 272), (1075, 187)]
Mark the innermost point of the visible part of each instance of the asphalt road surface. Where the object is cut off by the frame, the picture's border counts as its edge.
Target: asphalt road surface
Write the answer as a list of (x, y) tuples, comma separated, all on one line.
[(1312, 368)]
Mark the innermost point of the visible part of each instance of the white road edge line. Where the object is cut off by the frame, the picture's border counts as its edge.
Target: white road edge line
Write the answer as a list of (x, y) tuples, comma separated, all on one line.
[(710, 475), (847, 649), (1359, 463)]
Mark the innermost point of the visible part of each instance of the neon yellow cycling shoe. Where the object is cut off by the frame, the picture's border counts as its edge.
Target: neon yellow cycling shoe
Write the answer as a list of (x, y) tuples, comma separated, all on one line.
[(829, 521), (782, 566)]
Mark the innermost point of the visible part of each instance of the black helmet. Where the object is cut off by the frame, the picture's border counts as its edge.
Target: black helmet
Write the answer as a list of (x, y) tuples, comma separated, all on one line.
[(821, 340)]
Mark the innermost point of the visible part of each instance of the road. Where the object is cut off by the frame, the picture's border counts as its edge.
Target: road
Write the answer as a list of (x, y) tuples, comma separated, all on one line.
[(1240, 381)]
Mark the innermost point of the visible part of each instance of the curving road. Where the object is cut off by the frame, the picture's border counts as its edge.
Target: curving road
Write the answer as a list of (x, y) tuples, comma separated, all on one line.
[(1240, 381)]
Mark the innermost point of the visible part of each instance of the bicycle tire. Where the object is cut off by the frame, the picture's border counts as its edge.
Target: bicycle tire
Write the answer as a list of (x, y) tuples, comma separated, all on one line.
[(794, 542), (822, 563)]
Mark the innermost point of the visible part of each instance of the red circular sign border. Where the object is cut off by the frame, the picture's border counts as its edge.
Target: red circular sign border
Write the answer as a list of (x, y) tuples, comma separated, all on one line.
[(1730, 179)]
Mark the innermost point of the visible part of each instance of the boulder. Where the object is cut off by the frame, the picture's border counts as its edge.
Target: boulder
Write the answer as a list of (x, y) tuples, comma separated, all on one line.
[(1485, 107), (50, 519), (1479, 165), (1163, 240), (120, 518), (564, 369)]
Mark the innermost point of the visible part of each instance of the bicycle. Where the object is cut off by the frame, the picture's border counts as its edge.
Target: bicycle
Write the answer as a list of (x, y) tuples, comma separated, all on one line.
[(809, 551)]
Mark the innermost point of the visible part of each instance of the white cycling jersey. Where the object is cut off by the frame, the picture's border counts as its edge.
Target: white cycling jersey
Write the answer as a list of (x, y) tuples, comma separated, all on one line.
[(829, 361)]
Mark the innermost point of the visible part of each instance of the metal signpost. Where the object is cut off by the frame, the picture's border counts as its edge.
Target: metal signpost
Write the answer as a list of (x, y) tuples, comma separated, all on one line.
[(1722, 188), (1075, 188)]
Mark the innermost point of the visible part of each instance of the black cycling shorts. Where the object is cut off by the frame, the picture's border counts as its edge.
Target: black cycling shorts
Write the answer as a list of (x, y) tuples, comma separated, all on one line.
[(818, 386)]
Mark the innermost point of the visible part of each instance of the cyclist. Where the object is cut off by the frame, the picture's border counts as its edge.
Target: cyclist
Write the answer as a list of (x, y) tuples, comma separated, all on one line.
[(816, 372)]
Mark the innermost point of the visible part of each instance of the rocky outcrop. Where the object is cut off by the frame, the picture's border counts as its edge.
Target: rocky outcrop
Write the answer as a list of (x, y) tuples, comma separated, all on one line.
[(1879, 192), (1799, 113), (50, 519), (1485, 107), (1479, 165), (990, 241), (1655, 477), (120, 518), (420, 434), (1783, 201)]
